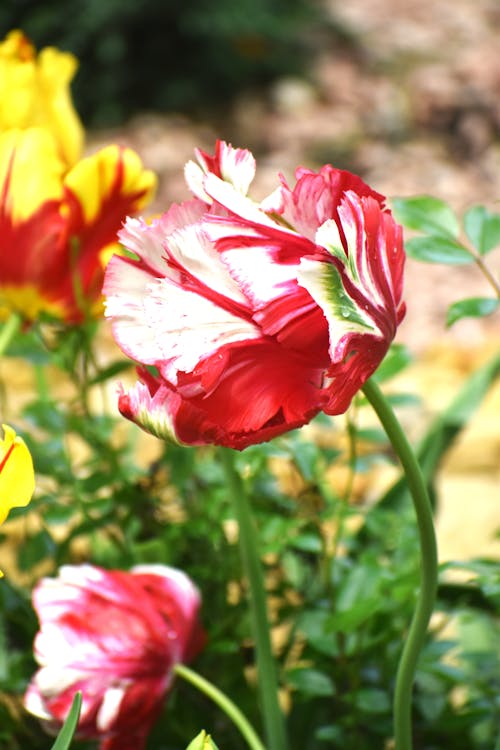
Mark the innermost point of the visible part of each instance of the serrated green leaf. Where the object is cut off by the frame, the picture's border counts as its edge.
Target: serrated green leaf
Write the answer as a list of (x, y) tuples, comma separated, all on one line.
[(436, 249), (482, 228), (426, 214), (473, 307), (68, 728)]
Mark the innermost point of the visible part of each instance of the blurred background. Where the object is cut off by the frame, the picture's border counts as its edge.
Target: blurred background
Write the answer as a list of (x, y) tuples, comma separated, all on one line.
[(405, 93)]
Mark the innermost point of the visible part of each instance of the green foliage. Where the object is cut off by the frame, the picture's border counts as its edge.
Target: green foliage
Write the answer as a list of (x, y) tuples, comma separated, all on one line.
[(473, 307), (439, 241), (426, 214), (162, 55), (341, 575), (482, 228)]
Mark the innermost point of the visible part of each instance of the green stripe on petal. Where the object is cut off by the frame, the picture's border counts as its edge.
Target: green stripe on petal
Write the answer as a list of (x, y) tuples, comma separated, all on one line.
[(152, 413), (328, 236), (323, 282)]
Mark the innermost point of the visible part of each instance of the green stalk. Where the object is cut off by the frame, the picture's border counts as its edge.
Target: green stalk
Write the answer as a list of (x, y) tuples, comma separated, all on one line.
[(226, 704), (428, 565), (9, 330), (249, 549)]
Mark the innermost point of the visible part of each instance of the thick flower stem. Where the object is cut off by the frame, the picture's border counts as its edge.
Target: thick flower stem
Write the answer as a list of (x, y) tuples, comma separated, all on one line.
[(9, 330), (226, 704), (429, 565), (266, 669)]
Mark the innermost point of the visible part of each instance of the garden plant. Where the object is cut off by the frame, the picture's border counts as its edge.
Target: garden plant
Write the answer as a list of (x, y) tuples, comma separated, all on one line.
[(224, 584)]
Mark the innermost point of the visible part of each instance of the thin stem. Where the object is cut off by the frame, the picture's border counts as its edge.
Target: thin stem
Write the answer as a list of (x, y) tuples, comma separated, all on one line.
[(428, 565), (249, 548), (9, 329), (42, 385), (487, 273), (226, 704), (478, 260)]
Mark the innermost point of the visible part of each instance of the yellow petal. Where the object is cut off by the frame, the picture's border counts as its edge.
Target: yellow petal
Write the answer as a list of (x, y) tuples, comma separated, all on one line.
[(36, 92), (113, 177), (31, 171), (55, 106), (17, 477)]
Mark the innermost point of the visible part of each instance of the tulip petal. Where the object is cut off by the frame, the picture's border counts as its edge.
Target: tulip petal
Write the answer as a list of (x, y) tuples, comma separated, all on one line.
[(114, 636), (17, 477), (30, 173), (233, 165), (35, 93), (152, 321), (110, 184), (315, 198)]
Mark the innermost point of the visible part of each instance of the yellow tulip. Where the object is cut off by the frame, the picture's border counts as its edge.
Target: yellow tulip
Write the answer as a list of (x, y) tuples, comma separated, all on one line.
[(17, 476), (34, 91)]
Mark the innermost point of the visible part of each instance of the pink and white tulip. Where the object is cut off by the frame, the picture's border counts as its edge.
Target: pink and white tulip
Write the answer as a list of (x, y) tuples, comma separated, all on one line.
[(248, 319), (115, 636)]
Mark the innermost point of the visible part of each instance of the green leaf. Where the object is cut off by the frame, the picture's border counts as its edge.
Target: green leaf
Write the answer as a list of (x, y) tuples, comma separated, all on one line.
[(316, 626), (426, 214), (68, 728), (36, 548), (310, 682), (115, 368), (330, 733), (397, 358), (435, 249), (482, 228), (202, 741), (307, 543), (473, 307), (373, 700)]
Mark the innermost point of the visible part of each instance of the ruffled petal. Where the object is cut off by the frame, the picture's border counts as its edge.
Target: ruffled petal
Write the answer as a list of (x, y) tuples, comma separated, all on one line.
[(177, 320), (241, 395), (233, 165), (315, 197)]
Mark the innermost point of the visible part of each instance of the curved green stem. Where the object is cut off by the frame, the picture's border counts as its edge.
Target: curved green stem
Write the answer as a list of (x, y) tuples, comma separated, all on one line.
[(266, 669), (9, 329), (226, 704), (429, 565)]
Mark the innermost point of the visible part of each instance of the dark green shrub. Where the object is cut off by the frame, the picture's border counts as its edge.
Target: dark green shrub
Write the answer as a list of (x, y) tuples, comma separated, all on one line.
[(166, 55)]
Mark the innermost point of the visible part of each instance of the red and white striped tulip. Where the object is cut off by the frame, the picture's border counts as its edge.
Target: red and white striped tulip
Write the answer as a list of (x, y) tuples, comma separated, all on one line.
[(247, 319), (115, 636)]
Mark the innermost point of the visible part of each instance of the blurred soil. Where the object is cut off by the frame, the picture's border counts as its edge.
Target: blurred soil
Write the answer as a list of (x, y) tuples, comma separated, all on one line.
[(407, 94)]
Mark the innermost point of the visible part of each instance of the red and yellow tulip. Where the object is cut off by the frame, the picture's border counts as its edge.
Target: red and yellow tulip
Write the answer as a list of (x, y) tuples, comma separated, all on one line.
[(58, 226), (59, 213)]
